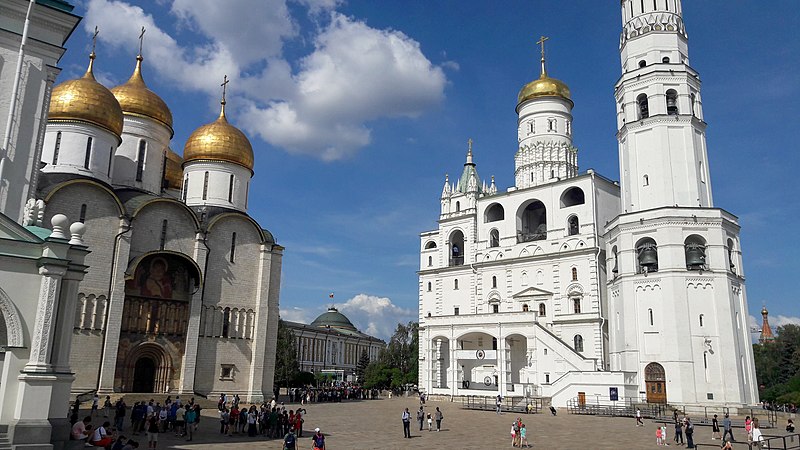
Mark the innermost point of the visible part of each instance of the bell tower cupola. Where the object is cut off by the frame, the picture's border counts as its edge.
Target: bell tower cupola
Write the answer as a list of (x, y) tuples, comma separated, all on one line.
[(661, 132), (544, 131)]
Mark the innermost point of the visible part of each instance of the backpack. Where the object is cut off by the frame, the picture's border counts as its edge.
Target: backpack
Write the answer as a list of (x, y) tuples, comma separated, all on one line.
[(289, 440)]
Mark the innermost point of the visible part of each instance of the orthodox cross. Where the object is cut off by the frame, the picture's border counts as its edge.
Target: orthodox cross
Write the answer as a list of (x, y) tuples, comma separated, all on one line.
[(141, 39), (541, 42), (469, 144), (224, 85), (94, 38)]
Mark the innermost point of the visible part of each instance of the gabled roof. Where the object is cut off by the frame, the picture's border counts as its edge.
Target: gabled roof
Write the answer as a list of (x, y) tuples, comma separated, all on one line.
[(532, 292)]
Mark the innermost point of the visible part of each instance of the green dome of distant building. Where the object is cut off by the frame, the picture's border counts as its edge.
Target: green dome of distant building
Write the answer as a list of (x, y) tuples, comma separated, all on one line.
[(333, 319)]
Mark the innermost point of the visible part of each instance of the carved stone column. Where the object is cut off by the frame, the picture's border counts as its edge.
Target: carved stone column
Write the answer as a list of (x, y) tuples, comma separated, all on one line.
[(44, 325)]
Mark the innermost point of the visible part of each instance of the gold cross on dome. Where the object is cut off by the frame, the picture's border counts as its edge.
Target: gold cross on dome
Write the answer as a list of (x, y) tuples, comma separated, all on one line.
[(141, 39), (224, 85), (541, 42), (94, 38)]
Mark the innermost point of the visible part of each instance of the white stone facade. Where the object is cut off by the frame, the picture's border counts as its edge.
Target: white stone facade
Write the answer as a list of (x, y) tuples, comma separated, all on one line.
[(568, 285)]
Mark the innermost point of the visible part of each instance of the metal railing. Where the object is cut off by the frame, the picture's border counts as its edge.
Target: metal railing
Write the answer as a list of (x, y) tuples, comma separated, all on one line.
[(616, 409), (525, 405), (788, 442)]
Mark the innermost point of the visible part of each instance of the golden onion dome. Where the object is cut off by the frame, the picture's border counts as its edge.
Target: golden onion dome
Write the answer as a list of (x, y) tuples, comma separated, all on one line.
[(219, 141), (86, 100), (173, 170), (136, 99), (544, 87)]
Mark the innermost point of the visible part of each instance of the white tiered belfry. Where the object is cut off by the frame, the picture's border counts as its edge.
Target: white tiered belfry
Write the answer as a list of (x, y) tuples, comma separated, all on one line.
[(678, 308), (568, 286)]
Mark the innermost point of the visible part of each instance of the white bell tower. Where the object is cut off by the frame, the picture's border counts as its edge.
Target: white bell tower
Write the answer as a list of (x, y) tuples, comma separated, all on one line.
[(677, 303), (662, 143)]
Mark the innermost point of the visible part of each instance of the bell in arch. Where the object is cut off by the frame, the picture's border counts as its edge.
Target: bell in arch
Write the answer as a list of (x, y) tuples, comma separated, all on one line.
[(695, 256), (648, 256)]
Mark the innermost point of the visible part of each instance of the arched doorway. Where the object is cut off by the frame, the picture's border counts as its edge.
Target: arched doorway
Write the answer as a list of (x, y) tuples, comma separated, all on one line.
[(655, 383), (144, 375)]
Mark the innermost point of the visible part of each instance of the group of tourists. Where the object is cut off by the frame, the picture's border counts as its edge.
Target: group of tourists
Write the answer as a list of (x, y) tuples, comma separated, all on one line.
[(331, 394), (519, 434), (782, 407), (422, 417)]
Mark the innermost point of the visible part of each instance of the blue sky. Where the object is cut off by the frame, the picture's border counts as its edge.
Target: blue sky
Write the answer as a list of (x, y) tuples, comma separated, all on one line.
[(357, 109)]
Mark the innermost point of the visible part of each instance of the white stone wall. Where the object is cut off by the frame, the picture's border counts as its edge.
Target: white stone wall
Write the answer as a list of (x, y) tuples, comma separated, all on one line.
[(127, 161), (228, 184), (72, 140)]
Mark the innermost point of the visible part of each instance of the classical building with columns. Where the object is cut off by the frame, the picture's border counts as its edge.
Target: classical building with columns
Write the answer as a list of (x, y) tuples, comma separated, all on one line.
[(331, 344), (569, 286)]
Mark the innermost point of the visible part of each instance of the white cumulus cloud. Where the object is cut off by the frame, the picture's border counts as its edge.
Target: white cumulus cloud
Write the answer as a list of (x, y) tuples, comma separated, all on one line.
[(376, 316), (319, 105)]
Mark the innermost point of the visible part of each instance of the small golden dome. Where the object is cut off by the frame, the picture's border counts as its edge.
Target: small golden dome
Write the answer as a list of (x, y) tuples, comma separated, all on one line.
[(173, 171), (86, 100), (219, 141), (544, 87), (135, 98)]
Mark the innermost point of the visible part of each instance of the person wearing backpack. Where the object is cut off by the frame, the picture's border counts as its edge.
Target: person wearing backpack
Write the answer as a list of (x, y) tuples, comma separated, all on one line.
[(689, 433), (290, 440), (438, 416)]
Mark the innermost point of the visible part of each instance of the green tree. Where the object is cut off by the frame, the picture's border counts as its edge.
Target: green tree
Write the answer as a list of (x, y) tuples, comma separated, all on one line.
[(286, 366), (361, 368), (778, 365), (402, 354)]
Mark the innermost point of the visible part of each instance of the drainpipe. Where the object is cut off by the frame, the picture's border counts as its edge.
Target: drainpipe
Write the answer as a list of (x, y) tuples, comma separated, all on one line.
[(12, 109), (475, 293)]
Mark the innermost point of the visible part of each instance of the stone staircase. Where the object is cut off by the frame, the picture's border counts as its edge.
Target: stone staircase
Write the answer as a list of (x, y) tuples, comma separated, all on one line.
[(4, 443)]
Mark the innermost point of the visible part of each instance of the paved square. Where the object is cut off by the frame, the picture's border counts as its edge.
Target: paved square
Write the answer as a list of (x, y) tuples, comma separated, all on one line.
[(376, 424)]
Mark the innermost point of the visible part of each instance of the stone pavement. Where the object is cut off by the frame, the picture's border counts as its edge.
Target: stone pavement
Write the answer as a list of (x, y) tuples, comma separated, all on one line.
[(376, 424)]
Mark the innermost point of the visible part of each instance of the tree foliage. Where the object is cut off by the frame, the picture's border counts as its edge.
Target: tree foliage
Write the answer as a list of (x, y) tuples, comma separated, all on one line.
[(287, 368), (398, 363), (361, 368), (778, 366)]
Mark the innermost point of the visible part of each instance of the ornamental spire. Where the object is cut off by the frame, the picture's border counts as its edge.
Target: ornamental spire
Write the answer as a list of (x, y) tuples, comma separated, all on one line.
[(90, 70), (766, 331), (469, 153)]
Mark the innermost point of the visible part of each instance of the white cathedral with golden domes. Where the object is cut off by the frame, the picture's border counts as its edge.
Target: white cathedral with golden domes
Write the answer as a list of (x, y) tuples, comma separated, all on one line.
[(574, 288), (181, 294)]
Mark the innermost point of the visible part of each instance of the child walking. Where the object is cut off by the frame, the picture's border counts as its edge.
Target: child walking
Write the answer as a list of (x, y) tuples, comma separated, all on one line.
[(659, 436), (430, 422)]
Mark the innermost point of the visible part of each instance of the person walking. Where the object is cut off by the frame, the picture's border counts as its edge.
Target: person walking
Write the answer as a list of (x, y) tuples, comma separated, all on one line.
[(318, 440), (152, 432), (758, 438), (290, 440), (95, 404), (420, 417), (639, 422), (430, 422), (438, 416), (191, 417), (406, 416), (678, 432), (689, 433), (726, 427), (499, 402), (523, 437), (715, 428), (748, 427)]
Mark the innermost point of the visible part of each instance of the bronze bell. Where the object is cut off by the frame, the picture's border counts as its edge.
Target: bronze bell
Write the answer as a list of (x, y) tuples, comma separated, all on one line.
[(616, 265), (648, 256), (695, 256)]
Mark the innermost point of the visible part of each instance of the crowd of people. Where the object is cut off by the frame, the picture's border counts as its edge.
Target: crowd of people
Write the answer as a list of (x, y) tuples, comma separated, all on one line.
[(781, 407)]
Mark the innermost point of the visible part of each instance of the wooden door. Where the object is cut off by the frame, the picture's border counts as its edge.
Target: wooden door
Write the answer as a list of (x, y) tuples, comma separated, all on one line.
[(655, 383)]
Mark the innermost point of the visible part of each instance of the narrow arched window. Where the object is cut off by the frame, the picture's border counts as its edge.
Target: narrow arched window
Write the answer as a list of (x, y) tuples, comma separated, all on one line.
[(233, 247), (574, 274), (646, 180), (163, 240), (430, 261), (542, 310), (455, 284), (185, 187), (701, 320), (57, 148), (525, 307), (82, 217), (672, 102), (494, 238), (644, 109), (576, 305), (205, 186), (430, 286), (230, 189), (494, 282), (731, 263), (226, 322), (693, 99), (140, 159), (110, 160), (650, 313), (578, 340), (88, 157), (458, 206), (573, 226)]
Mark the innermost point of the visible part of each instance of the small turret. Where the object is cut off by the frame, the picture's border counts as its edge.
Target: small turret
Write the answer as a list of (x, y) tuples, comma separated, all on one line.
[(766, 331)]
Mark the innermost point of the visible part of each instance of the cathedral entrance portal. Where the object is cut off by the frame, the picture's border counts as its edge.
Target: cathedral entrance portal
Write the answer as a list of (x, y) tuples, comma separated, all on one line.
[(144, 375), (655, 383), (155, 321)]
